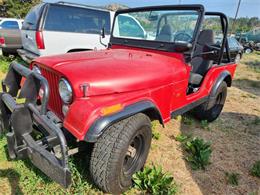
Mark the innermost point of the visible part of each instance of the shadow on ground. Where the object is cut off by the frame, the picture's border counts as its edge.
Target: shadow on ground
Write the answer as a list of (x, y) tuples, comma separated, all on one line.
[(247, 85), (235, 139)]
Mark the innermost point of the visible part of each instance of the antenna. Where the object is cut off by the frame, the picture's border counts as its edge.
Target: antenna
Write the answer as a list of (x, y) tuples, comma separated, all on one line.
[(234, 22)]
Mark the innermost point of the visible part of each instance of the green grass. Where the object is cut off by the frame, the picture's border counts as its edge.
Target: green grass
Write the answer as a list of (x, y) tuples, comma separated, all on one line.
[(24, 178), (255, 169), (232, 178)]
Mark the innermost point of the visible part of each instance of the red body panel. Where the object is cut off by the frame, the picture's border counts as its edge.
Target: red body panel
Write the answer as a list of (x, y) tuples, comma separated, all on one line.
[(125, 75)]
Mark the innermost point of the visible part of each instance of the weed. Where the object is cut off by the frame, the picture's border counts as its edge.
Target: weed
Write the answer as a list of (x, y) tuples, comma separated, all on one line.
[(256, 120), (205, 125), (182, 138), (4, 65), (187, 120), (154, 181), (232, 178), (255, 170), (155, 134), (199, 153)]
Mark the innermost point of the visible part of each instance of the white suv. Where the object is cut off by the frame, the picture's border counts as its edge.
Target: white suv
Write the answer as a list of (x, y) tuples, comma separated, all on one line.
[(58, 28)]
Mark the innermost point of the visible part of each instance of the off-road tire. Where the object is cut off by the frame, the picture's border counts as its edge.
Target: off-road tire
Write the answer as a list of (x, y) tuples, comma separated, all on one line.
[(107, 164), (203, 112)]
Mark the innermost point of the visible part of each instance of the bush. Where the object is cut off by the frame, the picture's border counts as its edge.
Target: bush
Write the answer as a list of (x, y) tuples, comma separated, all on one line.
[(199, 153), (255, 170), (154, 181)]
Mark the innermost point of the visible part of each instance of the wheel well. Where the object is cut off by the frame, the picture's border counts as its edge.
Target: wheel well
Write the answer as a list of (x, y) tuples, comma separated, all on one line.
[(153, 114), (228, 80)]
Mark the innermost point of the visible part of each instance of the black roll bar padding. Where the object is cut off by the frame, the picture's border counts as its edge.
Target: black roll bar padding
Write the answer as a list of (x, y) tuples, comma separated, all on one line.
[(50, 127), (224, 24), (25, 72)]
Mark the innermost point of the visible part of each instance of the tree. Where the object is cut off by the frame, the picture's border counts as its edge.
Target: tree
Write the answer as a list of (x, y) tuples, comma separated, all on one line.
[(16, 8)]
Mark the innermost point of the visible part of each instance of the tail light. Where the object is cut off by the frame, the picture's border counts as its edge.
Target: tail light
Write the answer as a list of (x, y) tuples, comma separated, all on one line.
[(39, 40), (2, 40)]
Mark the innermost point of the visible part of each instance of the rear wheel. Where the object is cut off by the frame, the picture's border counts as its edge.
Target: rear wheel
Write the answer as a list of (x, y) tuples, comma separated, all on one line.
[(248, 50), (211, 109), (120, 152)]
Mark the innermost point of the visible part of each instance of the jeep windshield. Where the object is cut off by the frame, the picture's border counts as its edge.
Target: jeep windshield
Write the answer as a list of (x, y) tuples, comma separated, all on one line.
[(167, 26)]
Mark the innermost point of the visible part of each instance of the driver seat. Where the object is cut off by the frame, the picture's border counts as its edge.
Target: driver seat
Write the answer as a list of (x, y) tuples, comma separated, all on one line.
[(199, 65), (165, 34)]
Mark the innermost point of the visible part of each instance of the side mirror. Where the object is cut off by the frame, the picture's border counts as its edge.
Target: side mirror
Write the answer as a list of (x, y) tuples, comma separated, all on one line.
[(102, 33)]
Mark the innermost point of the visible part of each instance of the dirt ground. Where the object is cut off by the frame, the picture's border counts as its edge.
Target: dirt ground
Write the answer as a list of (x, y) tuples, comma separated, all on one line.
[(235, 138)]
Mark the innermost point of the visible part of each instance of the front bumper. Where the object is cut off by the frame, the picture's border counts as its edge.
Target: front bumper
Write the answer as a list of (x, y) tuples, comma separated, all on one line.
[(23, 120)]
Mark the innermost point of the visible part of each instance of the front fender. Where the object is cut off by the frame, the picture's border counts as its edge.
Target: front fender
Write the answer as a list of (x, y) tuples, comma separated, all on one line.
[(100, 125)]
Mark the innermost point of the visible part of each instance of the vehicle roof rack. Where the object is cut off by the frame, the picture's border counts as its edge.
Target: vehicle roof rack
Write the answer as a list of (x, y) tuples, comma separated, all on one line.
[(82, 5)]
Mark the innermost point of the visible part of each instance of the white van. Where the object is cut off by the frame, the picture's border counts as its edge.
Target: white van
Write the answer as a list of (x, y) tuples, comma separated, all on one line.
[(58, 28)]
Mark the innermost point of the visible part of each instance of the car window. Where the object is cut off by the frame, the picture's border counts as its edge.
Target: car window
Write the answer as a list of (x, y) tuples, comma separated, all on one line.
[(31, 19), (129, 27), (9, 25), (79, 20), (214, 23)]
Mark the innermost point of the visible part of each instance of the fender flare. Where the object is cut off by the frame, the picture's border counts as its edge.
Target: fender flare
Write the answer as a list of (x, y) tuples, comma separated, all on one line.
[(224, 76), (101, 124)]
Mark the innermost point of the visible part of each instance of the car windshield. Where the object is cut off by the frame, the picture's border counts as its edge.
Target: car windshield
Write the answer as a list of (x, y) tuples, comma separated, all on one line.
[(169, 26)]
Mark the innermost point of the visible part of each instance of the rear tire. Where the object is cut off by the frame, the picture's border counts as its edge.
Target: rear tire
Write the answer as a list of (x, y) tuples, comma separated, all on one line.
[(248, 50), (120, 152), (204, 112)]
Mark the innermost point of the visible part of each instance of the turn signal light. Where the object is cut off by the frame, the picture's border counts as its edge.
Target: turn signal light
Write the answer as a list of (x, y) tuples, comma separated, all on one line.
[(111, 109)]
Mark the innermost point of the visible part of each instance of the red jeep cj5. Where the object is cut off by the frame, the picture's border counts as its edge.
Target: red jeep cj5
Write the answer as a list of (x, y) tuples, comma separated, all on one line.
[(161, 62)]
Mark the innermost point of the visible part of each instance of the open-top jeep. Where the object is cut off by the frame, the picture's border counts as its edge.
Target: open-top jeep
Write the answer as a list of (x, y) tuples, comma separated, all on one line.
[(161, 62)]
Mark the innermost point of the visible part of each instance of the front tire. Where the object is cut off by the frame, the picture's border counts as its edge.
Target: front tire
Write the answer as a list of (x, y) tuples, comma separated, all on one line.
[(120, 152), (211, 113)]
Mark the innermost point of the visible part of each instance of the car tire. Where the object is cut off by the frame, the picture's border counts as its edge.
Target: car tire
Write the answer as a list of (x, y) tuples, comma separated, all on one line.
[(248, 50), (120, 152), (211, 113)]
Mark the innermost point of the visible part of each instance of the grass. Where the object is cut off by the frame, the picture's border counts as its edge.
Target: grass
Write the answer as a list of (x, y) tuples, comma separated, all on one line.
[(232, 178), (255, 169)]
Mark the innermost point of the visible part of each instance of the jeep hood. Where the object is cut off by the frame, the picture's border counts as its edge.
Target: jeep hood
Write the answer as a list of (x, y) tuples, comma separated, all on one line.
[(114, 70)]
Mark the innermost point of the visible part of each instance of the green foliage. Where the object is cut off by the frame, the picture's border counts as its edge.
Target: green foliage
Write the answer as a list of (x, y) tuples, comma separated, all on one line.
[(199, 153), (255, 170), (17, 8), (232, 178), (154, 181), (4, 63), (205, 125), (182, 138), (155, 134), (187, 120)]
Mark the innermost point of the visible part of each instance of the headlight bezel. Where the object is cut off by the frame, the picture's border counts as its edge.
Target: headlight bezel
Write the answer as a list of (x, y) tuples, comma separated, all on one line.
[(66, 98)]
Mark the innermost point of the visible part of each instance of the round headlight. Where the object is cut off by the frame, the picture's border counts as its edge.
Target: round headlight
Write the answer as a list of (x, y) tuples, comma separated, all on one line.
[(65, 91), (37, 69)]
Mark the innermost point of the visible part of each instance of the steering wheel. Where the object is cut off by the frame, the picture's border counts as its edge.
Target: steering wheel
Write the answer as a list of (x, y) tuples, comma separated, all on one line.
[(182, 36)]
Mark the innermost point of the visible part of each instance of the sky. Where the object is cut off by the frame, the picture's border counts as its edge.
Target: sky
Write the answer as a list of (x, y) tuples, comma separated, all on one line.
[(248, 8)]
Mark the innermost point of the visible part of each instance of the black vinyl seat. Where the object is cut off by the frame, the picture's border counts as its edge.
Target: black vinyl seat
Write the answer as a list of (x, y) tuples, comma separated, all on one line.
[(199, 65), (165, 34)]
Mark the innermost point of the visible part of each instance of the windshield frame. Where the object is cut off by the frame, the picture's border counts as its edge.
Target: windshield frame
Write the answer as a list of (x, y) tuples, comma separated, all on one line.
[(159, 45)]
